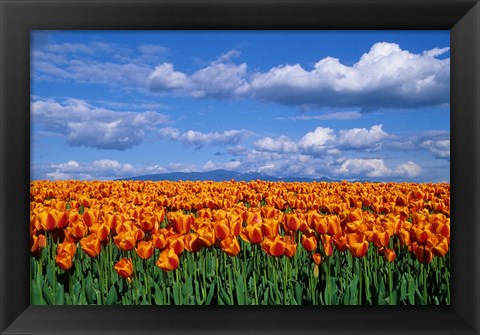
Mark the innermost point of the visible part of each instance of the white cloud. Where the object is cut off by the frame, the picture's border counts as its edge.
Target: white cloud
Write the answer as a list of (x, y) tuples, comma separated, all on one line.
[(166, 78), (362, 138), (386, 76), (197, 138), (439, 148), (409, 170), (323, 141), (220, 80), (376, 168), (317, 141), (281, 144), (85, 125)]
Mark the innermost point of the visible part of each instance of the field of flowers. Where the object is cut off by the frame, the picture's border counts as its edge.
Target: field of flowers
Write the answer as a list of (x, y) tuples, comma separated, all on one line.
[(236, 243)]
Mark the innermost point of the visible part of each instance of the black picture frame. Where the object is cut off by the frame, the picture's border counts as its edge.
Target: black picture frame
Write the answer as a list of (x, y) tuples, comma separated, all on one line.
[(19, 17)]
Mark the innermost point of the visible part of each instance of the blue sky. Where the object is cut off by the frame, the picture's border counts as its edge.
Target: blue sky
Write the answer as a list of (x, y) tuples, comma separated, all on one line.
[(371, 105)]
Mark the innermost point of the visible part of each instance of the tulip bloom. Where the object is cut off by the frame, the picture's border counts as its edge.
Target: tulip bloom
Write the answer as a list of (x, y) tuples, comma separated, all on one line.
[(159, 240), (357, 244), (168, 260), (290, 247), (126, 240), (181, 222), (68, 247), (91, 245), (230, 245), (423, 253), (252, 233), (390, 255), (64, 260), (309, 241), (37, 243), (317, 258), (222, 229), (274, 247), (144, 249), (124, 268), (292, 221)]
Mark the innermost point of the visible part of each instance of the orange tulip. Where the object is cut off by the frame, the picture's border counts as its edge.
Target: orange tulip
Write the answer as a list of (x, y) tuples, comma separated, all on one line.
[(292, 221), (193, 242), (317, 258), (177, 244), (68, 247), (270, 227), (37, 243), (252, 233), (290, 247), (423, 253), (381, 238), (159, 240), (230, 245), (438, 244), (168, 260), (124, 268), (390, 255), (64, 260), (181, 222), (222, 230), (207, 235), (357, 244), (144, 249), (274, 247), (126, 240), (77, 231), (91, 245), (309, 241)]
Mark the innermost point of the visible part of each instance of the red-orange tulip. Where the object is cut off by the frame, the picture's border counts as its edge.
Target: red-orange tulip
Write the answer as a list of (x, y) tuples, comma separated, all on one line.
[(252, 233), (181, 222), (390, 255), (222, 229), (91, 245), (357, 244), (168, 260), (317, 258), (274, 247), (144, 249), (68, 247), (37, 243), (230, 245), (124, 268), (309, 241), (64, 260), (423, 253)]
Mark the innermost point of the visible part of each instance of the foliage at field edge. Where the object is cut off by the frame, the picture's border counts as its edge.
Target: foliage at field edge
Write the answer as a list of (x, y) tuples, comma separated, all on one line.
[(254, 243)]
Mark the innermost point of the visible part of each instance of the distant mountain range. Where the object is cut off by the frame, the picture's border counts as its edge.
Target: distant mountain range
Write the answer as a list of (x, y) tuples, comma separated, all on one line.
[(222, 175)]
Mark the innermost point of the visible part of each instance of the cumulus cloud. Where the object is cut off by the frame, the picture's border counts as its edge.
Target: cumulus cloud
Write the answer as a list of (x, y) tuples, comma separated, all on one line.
[(363, 138), (373, 167), (281, 144), (318, 140), (199, 139), (386, 76), (98, 169), (439, 148), (85, 125), (326, 141), (221, 79), (436, 142)]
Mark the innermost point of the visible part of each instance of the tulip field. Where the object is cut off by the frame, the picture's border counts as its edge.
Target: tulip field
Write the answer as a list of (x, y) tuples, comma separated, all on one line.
[(239, 243)]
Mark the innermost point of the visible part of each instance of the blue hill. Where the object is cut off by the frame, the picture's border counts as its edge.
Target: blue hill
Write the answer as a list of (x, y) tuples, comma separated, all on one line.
[(221, 175)]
